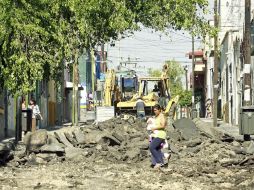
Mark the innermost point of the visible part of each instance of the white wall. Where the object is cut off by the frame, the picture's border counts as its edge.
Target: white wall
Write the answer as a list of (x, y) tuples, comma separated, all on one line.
[(231, 17), (208, 47), (230, 37), (231, 32)]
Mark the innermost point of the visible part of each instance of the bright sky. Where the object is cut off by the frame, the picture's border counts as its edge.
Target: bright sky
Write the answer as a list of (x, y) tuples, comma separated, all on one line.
[(151, 49)]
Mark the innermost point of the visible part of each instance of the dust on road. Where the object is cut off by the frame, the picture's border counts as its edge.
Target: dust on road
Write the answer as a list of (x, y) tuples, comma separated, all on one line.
[(114, 155)]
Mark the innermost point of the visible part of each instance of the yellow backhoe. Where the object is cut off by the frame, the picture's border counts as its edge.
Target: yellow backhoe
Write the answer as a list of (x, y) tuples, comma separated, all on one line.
[(111, 89), (119, 86), (152, 90)]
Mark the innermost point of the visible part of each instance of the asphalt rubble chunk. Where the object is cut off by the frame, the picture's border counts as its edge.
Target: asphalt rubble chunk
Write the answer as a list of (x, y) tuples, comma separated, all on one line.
[(196, 150), (119, 140), (112, 140), (6, 151)]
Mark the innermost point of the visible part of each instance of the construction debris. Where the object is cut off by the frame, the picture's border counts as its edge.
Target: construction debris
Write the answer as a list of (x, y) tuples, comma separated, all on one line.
[(207, 160)]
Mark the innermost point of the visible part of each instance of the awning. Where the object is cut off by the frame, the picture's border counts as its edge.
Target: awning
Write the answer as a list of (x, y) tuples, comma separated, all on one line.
[(198, 53), (69, 86)]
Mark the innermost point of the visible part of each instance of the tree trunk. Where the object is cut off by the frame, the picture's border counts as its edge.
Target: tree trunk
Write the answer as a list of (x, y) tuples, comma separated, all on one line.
[(75, 90)]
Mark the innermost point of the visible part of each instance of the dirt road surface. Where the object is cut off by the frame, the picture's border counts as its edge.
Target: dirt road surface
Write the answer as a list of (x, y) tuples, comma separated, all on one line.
[(199, 162)]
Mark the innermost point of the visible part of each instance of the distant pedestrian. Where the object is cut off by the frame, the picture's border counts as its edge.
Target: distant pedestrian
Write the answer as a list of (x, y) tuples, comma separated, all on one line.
[(208, 108), (36, 114), (140, 107), (23, 104)]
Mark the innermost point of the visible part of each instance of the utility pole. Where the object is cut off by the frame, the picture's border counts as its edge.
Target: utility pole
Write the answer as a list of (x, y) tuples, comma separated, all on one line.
[(93, 75), (103, 62), (247, 52), (216, 60), (5, 113), (193, 76), (102, 55), (17, 118), (93, 71), (186, 88), (186, 77)]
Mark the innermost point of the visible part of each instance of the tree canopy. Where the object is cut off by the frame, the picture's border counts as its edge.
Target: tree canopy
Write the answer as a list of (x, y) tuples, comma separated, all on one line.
[(175, 76), (36, 36)]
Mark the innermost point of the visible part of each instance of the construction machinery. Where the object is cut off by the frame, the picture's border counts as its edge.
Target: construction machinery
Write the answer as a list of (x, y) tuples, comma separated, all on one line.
[(148, 95), (152, 90), (119, 86), (111, 89), (123, 88), (111, 95), (128, 84)]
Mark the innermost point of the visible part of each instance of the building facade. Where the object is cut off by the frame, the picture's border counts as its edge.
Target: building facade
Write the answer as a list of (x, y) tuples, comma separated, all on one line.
[(232, 68)]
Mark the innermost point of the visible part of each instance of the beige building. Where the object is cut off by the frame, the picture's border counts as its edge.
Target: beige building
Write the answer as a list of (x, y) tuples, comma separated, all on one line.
[(232, 92)]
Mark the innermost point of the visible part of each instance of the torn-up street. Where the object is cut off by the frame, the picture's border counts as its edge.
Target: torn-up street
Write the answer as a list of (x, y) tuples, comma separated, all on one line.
[(114, 155)]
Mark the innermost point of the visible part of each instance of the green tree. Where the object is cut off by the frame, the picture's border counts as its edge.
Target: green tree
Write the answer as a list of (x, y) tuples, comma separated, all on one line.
[(175, 74), (185, 98), (154, 72), (91, 23), (29, 46), (176, 14), (36, 36)]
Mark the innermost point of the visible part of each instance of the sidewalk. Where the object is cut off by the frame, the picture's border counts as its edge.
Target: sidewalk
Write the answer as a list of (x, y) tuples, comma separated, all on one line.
[(230, 130), (225, 128)]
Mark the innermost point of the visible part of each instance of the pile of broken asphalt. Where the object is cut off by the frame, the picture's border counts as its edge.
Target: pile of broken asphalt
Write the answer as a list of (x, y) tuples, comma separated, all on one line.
[(119, 140)]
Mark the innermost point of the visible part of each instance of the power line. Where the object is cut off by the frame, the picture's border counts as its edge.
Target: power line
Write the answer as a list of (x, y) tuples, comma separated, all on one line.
[(168, 41), (180, 34), (232, 6)]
